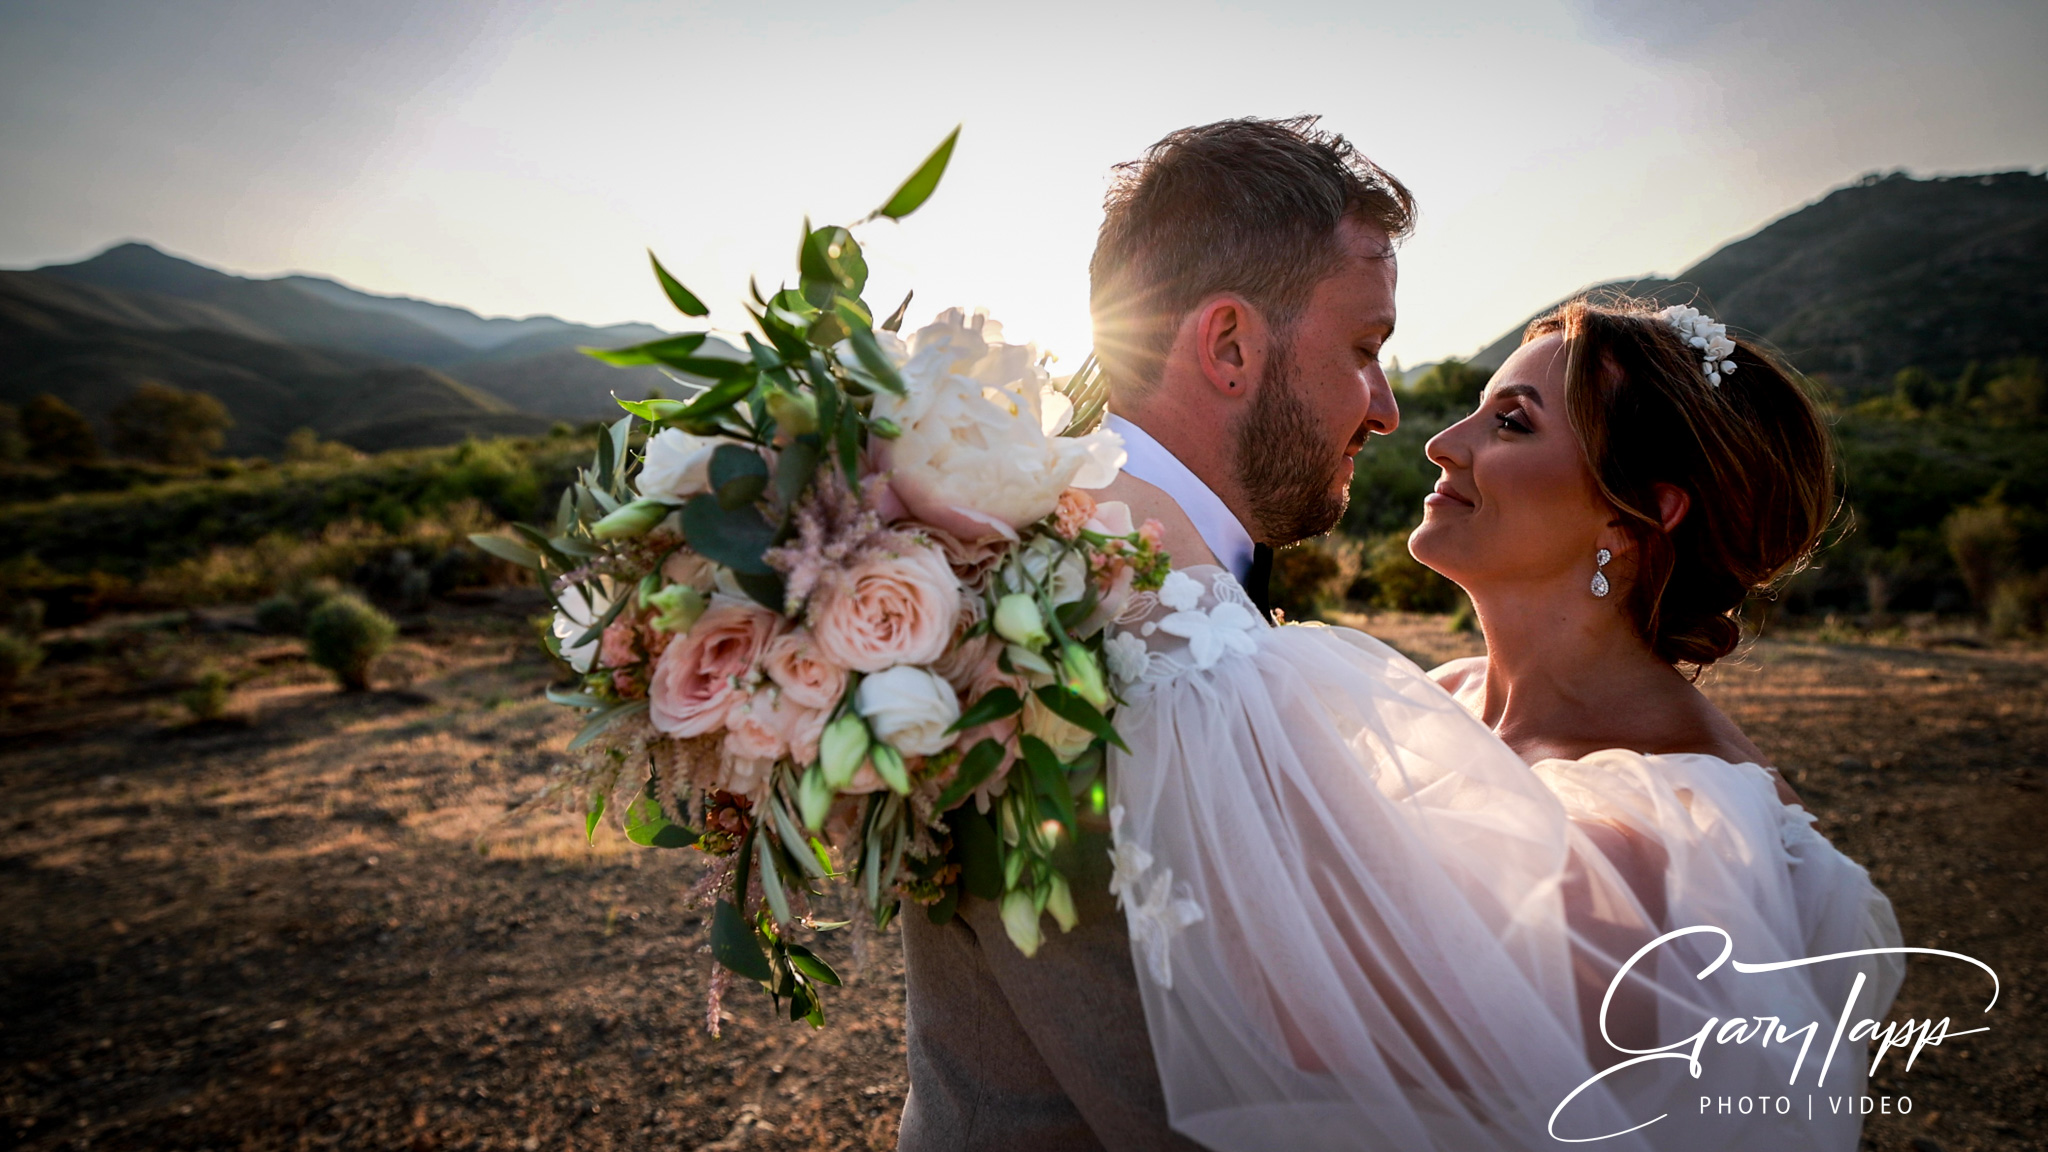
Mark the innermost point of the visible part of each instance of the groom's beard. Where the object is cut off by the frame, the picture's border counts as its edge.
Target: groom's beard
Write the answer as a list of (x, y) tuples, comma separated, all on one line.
[(1283, 464)]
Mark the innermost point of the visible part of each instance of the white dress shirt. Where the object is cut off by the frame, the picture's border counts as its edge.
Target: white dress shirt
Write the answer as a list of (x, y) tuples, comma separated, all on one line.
[(1218, 527)]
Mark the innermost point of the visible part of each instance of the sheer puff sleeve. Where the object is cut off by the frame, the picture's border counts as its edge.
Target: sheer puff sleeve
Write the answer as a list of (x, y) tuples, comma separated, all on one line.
[(1358, 919)]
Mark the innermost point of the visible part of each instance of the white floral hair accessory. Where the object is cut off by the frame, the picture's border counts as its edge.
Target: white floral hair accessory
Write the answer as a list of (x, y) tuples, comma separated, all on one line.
[(1708, 335)]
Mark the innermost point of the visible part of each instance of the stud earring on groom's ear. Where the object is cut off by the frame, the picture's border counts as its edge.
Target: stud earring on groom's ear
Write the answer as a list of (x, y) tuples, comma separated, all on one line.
[(1600, 559)]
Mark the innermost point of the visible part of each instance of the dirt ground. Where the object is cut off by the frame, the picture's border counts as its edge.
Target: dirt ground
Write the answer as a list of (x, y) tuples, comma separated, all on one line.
[(308, 925)]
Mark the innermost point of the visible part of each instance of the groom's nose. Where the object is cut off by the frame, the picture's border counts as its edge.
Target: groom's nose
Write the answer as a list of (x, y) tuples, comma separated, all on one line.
[(1382, 411)]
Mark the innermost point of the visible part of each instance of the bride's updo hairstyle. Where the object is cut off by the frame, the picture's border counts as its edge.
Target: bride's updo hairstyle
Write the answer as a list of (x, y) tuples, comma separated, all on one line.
[(1753, 453)]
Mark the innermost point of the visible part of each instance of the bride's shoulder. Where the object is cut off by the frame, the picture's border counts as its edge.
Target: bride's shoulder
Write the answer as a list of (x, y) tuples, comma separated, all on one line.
[(1465, 679)]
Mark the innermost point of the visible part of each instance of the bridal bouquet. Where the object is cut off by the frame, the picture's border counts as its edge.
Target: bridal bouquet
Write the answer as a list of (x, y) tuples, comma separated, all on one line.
[(840, 613)]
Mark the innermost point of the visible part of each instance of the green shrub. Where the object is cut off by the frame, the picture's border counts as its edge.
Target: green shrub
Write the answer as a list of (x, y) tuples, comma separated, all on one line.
[(207, 699), (19, 656), (280, 615), (2019, 605), (1400, 581), (345, 636), (1311, 578)]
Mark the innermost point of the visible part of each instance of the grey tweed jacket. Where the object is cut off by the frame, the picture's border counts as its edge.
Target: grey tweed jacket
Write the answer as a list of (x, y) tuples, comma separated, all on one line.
[(1045, 1054)]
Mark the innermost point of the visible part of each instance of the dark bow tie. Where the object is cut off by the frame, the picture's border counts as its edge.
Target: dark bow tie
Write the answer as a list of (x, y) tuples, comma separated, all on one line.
[(1258, 582)]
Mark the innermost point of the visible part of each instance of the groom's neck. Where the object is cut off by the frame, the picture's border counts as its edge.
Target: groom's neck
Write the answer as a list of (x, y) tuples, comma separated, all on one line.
[(1199, 436)]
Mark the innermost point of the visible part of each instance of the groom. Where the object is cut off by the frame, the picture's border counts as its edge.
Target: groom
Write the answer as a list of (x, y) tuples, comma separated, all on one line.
[(1242, 287)]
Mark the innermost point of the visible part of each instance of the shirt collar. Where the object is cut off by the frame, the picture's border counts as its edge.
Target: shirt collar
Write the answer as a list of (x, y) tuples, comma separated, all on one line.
[(1150, 461)]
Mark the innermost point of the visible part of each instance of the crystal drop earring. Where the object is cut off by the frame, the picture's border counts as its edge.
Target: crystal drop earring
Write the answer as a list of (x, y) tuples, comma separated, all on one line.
[(1600, 560)]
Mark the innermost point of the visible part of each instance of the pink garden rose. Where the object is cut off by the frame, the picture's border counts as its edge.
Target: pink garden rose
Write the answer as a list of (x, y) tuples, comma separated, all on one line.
[(753, 731), (805, 676), (700, 677), (889, 610)]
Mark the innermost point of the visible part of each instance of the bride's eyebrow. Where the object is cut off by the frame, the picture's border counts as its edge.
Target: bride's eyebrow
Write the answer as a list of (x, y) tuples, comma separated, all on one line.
[(1522, 390)]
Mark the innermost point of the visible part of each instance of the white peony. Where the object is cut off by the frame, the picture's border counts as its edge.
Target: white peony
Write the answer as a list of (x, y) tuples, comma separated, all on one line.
[(678, 465), (909, 708), (577, 615), (981, 452)]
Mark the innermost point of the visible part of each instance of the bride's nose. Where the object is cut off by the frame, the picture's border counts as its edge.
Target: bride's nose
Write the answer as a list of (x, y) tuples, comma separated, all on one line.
[(1444, 449)]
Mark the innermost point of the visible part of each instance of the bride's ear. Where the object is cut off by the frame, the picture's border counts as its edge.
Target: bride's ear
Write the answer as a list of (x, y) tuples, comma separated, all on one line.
[(1673, 503), (1230, 343)]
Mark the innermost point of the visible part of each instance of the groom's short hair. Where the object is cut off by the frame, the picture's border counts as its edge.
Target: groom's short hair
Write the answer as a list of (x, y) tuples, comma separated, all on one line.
[(1247, 206)]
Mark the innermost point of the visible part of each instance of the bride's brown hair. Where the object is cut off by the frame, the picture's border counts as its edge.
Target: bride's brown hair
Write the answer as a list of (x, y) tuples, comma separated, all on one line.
[(1754, 455)]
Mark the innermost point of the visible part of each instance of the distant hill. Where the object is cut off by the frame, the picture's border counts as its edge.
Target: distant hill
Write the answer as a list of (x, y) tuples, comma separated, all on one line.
[(302, 351), (1889, 273)]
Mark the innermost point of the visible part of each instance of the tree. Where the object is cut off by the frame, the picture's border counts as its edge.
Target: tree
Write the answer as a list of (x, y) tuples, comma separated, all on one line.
[(13, 446), (169, 425), (56, 432)]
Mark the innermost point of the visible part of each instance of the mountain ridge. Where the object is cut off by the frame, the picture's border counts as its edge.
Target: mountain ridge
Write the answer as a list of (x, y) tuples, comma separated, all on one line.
[(1887, 273)]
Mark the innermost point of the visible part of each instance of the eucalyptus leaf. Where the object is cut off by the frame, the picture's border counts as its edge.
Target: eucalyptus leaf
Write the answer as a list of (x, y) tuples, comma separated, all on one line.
[(793, 839), (771, 880), (735, 945), (598, 722), (575, 699), (738, 476), (506, 549), (648, 826), (922, 183), (763, 588), (591, 816), (795, 467), (734, 537), (652, 352), (1050, 778), (685, 301)]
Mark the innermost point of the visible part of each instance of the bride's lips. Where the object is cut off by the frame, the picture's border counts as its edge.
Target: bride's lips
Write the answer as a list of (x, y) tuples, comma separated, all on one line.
[(1446, 496)]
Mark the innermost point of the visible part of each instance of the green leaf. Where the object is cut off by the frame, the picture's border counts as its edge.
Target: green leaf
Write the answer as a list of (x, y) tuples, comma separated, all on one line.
[(763, 588), (576, 699), (849, 445), (830, 255), (1050, 777), (793, 840), (734, 944), (771, 879), (916, 190), (506, 549), (872, 358), (994, 705), (591, 817), (895, 321), (649, 827), (980, 762), (1069, 706), (685, 301), (979, 852), (652, 411), (738, 476), (598, 722), (652, 352), (715, 400), (734, 537), (808, 963), (794, 468)]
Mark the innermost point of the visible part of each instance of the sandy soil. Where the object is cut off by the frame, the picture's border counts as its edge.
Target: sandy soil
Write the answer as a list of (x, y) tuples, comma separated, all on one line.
[(309, 926)]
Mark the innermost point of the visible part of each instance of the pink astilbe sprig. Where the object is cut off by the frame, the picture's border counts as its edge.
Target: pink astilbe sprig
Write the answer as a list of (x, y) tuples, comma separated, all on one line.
[(837, 527)]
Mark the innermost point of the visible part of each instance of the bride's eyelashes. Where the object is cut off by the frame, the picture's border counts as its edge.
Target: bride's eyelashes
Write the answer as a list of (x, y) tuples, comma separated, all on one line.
[(1506, 422)]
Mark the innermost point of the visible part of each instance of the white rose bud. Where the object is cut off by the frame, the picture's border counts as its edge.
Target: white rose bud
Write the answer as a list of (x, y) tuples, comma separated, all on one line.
[(1060, 902), (890, 767), (1019, 621), (814, 798), (910, 708), (679, 606), (841, 750), (1084, 674), (630, 520), (1020, 920)]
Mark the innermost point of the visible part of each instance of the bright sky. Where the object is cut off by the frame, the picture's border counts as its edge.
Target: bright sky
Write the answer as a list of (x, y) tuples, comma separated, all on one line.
[(517, 158)]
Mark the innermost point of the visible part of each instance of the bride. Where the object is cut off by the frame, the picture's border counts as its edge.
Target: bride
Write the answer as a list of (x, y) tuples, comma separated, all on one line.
[(1554, 895)]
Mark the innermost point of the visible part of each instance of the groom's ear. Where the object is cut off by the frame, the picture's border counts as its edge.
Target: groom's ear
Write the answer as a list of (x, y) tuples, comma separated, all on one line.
[(1231, 340)]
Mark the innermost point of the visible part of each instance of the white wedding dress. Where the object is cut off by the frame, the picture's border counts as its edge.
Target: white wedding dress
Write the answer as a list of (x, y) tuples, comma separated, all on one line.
[(1360, 921)]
